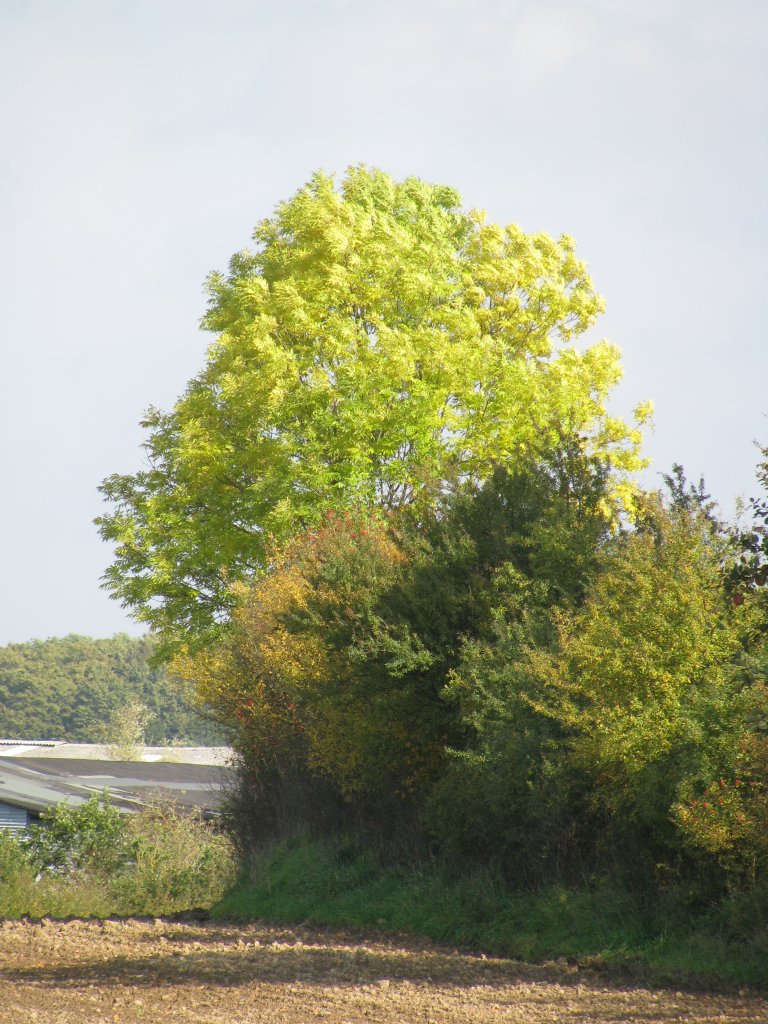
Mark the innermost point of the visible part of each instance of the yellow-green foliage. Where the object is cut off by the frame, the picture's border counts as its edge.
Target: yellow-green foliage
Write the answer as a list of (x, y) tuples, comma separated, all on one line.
[(377, 339), (656, 634)]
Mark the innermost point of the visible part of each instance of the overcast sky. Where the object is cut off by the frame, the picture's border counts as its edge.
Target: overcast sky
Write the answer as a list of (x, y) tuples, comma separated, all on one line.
[(141, 141)]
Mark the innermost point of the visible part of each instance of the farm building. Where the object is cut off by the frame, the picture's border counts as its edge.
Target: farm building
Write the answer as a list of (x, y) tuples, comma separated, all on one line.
[(34, 776)]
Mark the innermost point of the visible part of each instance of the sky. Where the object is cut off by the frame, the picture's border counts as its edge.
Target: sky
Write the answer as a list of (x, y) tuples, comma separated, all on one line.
[(142, 140)]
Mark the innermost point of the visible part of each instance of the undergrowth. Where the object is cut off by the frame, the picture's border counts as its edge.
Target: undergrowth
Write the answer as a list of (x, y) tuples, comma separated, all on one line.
[(340, 883), (94, 862)]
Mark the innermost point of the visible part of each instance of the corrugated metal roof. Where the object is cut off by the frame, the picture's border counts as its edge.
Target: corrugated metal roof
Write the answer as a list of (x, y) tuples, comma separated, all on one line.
[(39, 783)]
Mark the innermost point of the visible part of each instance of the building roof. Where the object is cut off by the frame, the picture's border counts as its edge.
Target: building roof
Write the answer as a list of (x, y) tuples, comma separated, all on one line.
[(37, 783), (101, 752)]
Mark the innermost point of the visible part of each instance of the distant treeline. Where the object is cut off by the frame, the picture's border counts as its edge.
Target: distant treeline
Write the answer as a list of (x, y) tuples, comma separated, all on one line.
[(68, 688)]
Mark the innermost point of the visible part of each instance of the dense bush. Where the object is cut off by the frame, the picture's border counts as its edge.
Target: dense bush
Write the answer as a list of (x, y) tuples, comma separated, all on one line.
[(518, 678), (341, 664), (94, 836), (93, 861), (177, 861)]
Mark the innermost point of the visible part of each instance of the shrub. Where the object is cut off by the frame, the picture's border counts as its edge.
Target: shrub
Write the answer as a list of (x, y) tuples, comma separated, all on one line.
[(178, 861), (157, 861), (70, 839)]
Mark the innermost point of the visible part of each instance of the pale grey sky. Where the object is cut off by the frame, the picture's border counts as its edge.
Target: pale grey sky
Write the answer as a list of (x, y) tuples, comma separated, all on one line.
[(141, 140)]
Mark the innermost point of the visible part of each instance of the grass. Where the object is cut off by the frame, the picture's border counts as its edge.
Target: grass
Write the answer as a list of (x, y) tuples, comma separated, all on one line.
[(340, 884)]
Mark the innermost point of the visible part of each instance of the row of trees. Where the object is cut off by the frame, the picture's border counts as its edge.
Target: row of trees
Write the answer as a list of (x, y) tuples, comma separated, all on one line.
[(390, 532), (72, 688)]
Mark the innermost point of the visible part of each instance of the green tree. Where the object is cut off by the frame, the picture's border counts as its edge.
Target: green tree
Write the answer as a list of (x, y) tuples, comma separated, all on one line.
[(125, 732), (66, 688), (506, 794), (377, 341)]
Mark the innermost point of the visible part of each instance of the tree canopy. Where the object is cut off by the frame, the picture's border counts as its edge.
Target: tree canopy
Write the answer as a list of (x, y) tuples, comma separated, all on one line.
[(67, 688), (377, 341)]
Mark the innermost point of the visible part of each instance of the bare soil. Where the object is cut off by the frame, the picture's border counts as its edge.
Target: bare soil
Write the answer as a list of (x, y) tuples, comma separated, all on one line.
[(89, 972)]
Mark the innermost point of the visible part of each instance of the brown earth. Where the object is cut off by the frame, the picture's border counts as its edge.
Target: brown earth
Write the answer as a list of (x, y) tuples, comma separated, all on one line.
[(89, 972)]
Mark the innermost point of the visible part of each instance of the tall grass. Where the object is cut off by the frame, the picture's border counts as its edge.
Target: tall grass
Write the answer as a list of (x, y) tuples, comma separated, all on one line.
[(343, 884), (178, 862)]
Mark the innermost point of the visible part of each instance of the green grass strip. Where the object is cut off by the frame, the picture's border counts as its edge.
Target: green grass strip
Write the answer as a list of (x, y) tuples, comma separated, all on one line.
[(341, 884)]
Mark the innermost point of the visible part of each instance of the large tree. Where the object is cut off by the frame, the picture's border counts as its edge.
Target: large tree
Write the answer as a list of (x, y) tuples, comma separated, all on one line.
[(377, 341)]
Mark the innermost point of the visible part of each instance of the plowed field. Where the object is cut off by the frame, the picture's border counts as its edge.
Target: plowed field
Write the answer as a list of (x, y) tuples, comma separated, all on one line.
[(87, 972)]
